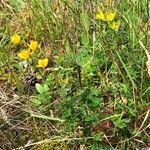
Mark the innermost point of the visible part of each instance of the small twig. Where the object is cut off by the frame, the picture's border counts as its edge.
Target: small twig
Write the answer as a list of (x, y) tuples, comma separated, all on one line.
[(146, 116), (79, 75), (108, 141), (32, 114), (146, 51), (46, 117)]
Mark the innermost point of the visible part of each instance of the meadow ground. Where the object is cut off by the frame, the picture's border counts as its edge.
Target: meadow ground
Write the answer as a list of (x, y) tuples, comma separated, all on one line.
[(74, 75)]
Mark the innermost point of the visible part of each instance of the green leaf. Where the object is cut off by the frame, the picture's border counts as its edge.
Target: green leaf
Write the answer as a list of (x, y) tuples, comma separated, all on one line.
[(84, 59), (120, 123), (45, 88), (90, 118), (96, 102), (49, 81), (39, 88), (36, 101), (95, 91), (98, 136)]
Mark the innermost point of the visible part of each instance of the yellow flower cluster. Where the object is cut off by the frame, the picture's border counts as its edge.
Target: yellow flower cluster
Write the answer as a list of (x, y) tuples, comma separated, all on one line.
[(109, 17), (25, 54)]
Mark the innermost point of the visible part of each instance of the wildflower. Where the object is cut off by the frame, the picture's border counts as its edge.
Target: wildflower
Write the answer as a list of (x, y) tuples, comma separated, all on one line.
[(42, 63), (110, 16), (105, 16), (15, 39), (100, 15), (33, 45), (24, 54), (114, 25)]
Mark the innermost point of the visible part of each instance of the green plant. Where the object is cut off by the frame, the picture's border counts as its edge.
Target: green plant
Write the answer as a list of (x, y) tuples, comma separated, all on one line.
[(43, 97)]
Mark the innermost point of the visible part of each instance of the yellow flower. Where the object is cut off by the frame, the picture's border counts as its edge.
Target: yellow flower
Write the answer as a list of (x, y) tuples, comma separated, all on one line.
[(15, 39), (24, 54), (114, 25), (33, 45), (42, 63), (105, 16), (110, 16), (100, 15)]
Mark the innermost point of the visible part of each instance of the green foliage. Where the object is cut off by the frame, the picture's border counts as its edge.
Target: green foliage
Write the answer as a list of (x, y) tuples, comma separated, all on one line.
[(42, 88), (120, 123), (44, 95), (17, 5), (82, 108)]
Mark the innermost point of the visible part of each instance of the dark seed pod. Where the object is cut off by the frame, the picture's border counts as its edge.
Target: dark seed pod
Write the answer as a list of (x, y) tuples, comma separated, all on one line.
[(31, 80), (29, 83)]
